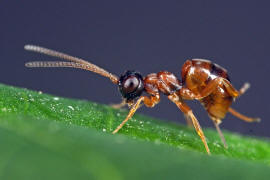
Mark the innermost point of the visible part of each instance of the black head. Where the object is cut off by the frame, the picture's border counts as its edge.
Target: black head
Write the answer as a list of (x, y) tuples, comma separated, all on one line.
[(131, 85)]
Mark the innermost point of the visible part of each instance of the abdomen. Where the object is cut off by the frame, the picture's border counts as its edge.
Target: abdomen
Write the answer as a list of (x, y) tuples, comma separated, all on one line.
[(217, 103), (196, 75)]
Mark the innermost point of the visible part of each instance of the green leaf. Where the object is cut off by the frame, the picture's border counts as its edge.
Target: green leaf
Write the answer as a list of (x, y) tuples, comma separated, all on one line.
[(47, 137)]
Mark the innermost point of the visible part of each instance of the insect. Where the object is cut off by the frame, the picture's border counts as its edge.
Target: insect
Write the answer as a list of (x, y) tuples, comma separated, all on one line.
[(202, 80)]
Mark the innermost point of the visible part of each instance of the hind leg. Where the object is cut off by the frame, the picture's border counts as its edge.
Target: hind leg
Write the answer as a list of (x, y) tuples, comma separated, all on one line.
[(217, 122), (243, 117), (244, 88), (210, 88)]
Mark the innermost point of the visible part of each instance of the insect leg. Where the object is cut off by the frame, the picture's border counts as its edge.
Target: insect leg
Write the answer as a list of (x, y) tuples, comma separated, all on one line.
[(120, 105), (149, 102), (230, 89), (130, 114), (217, 122), (209, 88), (152, 100), (244, 88), (243, 117), (189, 114), (188, 121)]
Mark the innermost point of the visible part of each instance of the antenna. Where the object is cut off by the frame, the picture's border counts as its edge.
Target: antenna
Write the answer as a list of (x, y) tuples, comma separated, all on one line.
[(75, 62)]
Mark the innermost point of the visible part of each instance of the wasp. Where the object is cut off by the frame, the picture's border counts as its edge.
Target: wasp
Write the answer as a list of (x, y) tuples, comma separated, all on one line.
[(201, 80)]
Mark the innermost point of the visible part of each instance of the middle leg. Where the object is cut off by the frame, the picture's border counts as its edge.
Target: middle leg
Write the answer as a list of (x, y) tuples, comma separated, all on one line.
[(189, 115)]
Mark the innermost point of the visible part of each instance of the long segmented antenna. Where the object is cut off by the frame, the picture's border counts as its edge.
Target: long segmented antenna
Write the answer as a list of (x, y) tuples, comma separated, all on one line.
[(76, 62)]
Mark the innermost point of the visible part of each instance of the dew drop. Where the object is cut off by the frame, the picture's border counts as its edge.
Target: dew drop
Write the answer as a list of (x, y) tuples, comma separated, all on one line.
[(70, 107)]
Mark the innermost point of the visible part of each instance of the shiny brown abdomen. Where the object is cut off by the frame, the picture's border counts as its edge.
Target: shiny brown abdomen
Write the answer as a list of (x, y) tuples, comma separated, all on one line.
[(196, 75), (217, 103)]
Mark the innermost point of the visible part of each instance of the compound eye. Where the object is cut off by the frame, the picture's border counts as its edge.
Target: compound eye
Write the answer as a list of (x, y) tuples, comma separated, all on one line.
[(131, 84)]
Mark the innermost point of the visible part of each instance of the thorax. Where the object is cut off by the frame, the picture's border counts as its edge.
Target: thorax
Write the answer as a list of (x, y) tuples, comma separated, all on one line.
[(164, 82)]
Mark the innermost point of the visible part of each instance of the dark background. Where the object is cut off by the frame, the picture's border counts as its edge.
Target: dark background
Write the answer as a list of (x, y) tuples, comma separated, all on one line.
[(148, 36)]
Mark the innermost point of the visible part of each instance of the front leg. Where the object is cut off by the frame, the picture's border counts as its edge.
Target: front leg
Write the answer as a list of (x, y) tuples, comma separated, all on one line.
[(119, 105), (148, 101)]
